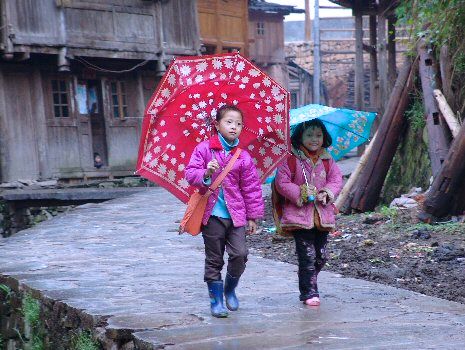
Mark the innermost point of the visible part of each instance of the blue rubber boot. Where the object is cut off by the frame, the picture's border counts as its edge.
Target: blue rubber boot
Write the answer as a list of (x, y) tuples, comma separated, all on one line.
[(230, 285), (215, 289)]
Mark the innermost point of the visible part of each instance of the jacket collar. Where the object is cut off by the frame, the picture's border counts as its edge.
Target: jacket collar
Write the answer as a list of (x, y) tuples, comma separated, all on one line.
[(299, 154), (215, 143)]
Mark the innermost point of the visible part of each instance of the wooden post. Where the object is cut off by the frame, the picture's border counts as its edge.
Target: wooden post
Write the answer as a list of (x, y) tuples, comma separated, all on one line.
[(447, 187), (382, 63), (391, 48), (359, 81), (373, 67), (347, 193), (438, 143), (447, 113), (384, 147), (308, 22), (445, 66)]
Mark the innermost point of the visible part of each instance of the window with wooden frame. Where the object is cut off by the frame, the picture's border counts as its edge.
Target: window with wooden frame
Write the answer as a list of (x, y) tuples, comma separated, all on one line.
[(118, 95), (260, 28), (60, 98)]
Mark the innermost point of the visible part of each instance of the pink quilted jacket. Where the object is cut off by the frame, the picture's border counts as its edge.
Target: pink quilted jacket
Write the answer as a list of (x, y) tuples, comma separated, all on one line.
[(241, 187), (303, 217)]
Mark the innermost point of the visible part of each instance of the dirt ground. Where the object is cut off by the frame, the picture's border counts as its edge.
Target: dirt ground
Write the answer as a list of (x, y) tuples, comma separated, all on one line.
[(389, 247)]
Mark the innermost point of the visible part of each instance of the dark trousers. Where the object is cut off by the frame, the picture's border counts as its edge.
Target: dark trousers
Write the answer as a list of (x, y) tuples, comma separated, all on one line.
[(219, 234), (311, 253)]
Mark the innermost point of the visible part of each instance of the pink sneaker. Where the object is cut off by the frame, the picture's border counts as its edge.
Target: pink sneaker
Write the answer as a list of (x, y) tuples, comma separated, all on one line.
[(315, 301)]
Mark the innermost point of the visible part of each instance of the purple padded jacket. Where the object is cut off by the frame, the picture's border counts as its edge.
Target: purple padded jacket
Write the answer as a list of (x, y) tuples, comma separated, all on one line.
[(241, 187)]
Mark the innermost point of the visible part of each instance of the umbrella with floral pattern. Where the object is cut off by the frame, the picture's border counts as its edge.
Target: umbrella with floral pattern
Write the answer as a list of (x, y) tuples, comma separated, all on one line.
[(181, 114)]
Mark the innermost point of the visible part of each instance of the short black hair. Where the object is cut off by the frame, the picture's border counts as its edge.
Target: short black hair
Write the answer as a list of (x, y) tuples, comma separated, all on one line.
[(226, 108), (296, 138)]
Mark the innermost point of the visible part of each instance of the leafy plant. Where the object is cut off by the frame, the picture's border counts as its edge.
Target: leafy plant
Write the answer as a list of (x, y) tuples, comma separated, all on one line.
[(83, 341), (31, 310)]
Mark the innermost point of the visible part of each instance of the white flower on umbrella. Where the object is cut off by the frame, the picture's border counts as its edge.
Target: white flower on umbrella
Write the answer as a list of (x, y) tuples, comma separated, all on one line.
[(256, 85), (189, 81), (195, 125), (267, 101), (153, 163), (202, 104), (183, 183), (223, 95), (198, 79), (164, 134), (237, 77), (212, 75), (266, 81), (241, 86), (201, 66), (222, 76), (195, 107), (245, 80), (183, 155), (196, 96), (254, 73), (279, 97), (165, 157), (235, 102), (269, 109), (172, 79), (275, 90), (251, 147), (210, 94), (269, 128), (259, 119), (276, 150), (278, 118), (262, 93), (159, 102), (257, 106), (181, 167), (182, 106), (252, 95), (166, 93), (228, 63), (267, 119), (259, 172), (186, 133), (280, 107), (267, 162), (171, 175), (255, 161), (162, 169), (240, 66), (221, 104), (173, 147), (188, 113), (202, 132), (154, 132), (157, 149), (162, 122), (217, 64), (148, 157), (173, 161), (280, 134), (213, 112), (156, 139), (262, 151), (260, 132), (185, 70)]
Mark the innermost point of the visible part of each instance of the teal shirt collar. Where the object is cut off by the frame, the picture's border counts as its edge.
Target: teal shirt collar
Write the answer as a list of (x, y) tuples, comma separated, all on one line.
[(226, 145)]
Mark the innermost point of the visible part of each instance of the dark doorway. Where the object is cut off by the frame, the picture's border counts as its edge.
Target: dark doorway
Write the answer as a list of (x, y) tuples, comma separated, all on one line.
[(97, 123)]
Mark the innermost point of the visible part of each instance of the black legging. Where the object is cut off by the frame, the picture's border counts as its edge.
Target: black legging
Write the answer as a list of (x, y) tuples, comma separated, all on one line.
[(311, 253)]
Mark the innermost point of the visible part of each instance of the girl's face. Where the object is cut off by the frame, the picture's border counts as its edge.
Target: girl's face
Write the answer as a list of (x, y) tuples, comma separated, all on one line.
[(312, 138), (230, 125)]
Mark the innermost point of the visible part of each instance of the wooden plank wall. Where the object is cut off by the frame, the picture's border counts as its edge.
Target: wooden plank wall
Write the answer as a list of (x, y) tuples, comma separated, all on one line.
[(224, 24)]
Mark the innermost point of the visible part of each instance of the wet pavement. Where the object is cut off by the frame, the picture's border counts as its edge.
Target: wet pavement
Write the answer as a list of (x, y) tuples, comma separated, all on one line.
[(124, 260)]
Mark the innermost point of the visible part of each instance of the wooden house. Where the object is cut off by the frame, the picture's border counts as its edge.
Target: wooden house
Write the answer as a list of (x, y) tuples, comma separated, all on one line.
[(75, 76)]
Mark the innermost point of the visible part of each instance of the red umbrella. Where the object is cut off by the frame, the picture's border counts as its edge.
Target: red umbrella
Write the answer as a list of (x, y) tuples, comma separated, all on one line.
[(182, 110)]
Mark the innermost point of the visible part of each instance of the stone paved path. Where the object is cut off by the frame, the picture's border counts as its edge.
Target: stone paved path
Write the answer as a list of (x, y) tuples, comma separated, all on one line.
[(123, 260)]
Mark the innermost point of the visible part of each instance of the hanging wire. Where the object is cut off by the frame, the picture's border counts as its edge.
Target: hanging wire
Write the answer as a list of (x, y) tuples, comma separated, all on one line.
[(97, 68)]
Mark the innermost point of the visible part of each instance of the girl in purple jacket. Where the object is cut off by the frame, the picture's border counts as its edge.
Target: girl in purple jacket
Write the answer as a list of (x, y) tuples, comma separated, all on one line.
[(232, 209), (309, 188)]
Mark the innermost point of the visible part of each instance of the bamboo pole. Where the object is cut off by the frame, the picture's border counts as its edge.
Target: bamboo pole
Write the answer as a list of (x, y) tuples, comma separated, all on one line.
[(447, 113)]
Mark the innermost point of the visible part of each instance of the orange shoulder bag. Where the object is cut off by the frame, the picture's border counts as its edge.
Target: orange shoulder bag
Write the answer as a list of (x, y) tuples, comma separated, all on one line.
[(192, 221)]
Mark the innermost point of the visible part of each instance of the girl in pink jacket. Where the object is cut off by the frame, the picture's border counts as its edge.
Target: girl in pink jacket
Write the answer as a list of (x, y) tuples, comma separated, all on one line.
[(309, 180), (232, 209)]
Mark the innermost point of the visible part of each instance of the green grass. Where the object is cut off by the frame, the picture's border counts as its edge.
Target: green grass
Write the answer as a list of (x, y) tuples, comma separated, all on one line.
[(31, 310), (83, 341)]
